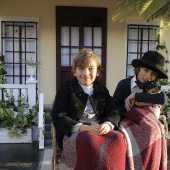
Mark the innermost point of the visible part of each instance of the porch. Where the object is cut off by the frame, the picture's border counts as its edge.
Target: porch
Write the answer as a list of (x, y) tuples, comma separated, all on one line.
[(21, 156), (27, 156)]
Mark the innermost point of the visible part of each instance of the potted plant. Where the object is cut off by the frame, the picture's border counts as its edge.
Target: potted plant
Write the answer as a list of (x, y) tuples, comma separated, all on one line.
[(31, 66), (17, 120), (32, 63)]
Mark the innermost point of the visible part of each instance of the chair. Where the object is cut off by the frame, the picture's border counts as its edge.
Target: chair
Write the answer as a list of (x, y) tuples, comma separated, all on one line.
[(56, 150)]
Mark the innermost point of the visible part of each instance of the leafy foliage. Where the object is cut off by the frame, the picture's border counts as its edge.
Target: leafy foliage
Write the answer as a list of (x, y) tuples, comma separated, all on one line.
[(166, 107), (159, 48), (17, 119), (147, 9), (2, 69), (32, 63)]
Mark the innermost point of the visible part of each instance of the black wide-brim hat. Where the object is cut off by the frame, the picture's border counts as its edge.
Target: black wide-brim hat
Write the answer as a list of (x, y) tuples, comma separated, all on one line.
[(152, 60)]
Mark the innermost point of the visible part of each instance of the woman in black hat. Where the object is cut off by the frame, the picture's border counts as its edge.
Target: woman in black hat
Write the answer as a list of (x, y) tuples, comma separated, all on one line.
[(145, 136), (148, 68)]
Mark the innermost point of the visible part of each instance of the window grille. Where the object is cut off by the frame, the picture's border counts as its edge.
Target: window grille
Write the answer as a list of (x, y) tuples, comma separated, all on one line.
[(19, 41), (140, 38)]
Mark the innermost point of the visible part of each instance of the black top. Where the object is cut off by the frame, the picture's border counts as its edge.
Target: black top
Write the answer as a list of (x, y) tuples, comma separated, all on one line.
[(123, 90), (70, 103)]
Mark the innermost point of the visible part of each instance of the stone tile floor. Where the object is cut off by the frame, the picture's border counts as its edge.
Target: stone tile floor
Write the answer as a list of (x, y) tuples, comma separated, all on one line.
[(27, 156), (20, 156)]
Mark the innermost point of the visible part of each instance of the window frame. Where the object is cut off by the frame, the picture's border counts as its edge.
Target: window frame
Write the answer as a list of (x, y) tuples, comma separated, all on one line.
[(129, 70), (23, 19)]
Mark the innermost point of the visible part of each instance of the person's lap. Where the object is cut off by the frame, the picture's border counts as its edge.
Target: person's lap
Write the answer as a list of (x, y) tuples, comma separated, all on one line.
[(89, 151)]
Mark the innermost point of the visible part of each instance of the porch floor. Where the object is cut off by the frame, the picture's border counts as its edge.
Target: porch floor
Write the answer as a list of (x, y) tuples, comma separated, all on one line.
[(20, 156), (27, 156)]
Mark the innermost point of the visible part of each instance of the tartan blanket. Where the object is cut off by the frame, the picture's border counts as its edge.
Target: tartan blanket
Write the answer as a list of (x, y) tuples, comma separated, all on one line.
[(106, 152), (87, 151), (145, 138)]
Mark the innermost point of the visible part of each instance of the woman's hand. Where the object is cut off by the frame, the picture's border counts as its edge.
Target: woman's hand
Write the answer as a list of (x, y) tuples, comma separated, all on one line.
[(130, 101)]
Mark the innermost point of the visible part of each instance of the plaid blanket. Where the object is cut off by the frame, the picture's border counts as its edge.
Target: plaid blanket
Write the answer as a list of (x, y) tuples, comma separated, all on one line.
[(94, 152), (87, 151), (146, 143)]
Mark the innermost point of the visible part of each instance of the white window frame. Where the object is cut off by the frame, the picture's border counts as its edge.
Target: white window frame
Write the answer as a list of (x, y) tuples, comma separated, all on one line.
[(23, 19)]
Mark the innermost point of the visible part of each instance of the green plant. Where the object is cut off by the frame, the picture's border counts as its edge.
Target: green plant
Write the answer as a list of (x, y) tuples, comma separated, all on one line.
[(166, 108), (2, 69), (32, 63), (162, 48), (148, 10), (165, 82), (17, 119)]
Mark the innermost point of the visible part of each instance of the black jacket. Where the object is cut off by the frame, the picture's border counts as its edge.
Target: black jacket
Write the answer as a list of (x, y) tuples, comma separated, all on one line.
[(70, 103), (123, 90)]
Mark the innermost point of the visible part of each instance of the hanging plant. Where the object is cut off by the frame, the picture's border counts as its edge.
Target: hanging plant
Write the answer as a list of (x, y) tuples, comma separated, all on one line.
[(2, 70), (162, 47)]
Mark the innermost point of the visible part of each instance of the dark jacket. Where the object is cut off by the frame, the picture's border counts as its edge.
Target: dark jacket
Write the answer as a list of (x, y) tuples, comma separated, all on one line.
[(123, 90), (70, 103)]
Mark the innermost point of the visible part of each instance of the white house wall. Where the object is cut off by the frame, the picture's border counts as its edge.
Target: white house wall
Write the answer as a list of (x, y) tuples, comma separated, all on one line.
[(45, 11)]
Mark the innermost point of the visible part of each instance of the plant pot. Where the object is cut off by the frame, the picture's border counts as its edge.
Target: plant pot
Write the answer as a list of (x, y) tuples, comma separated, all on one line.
[(31, 72), (23, 138)]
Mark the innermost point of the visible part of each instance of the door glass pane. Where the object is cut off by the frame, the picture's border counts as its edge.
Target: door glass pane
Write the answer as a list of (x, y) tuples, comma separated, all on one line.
[(64, 36), (64, 56), (74, 36), (98, 51), (97, 36), (87, 36), (74, 51)]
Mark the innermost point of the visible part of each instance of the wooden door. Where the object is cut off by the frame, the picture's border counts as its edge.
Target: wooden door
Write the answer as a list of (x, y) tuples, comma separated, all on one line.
[(78, 27)]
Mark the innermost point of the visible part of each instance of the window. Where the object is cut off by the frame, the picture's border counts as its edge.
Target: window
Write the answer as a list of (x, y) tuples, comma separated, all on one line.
[(140, 38), (19, 41)]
